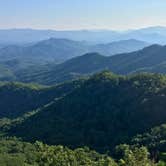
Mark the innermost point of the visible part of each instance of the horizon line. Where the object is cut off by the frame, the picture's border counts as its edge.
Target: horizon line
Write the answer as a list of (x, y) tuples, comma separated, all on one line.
[(88, 29)]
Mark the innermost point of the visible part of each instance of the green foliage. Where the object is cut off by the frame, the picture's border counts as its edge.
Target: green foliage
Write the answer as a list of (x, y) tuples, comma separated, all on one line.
[(16, 153), (155, 140), (99, 112), (18, 98), (134, 156)]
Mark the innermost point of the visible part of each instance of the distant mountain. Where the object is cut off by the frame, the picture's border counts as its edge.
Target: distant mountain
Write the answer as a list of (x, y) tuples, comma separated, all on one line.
[(59, 50), (52, 49), (20, 36), (71, 69), (149, 59), (118, 47), (151, 30)]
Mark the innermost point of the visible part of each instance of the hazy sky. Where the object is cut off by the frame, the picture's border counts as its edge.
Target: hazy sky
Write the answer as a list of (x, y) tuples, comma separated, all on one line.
[(82, 14)]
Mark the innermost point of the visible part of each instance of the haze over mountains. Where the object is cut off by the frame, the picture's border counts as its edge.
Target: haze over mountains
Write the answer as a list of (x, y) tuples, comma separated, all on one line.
[(63, 49), (44, 54), (148, 59), (21, 36)]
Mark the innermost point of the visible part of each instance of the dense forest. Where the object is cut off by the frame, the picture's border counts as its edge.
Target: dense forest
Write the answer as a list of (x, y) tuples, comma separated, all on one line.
[(14, 152), (105, 119)]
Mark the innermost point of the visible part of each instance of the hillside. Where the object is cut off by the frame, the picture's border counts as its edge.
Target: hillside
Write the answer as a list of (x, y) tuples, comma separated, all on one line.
[(150, 59), (104, 111), (69, 70), (18, 98), (6, 74)]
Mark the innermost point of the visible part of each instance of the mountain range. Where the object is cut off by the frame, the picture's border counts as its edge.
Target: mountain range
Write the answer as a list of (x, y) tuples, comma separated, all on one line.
[(47, 53), (63, 49), (149, 59), (83, 99), (22, 36)]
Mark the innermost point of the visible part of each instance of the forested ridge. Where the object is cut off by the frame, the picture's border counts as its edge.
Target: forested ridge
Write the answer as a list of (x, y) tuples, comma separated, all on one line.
[(118, 116), (150, 59)]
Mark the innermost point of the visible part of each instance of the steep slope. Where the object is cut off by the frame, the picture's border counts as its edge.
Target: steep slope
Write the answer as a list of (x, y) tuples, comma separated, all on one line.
[(104, 111), (18, 98), (71, 69), (143, 59)]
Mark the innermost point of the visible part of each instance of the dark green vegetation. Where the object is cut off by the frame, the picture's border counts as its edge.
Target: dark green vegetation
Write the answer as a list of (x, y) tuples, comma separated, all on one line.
[(99, 112), (14, 152), (104, 112), (19, 98), (154, 139)]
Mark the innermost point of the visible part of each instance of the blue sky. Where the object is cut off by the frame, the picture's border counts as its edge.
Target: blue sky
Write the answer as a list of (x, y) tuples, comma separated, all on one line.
[(82, 14)]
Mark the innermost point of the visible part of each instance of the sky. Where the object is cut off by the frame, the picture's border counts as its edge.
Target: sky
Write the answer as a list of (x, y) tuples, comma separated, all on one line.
[(82, 14)]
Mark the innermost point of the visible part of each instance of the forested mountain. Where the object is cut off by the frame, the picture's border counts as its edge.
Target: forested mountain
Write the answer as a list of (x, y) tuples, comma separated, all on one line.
[(104, 111), (100, 112), (18, 98), (31, 62), (90, 91), (149, 59)]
